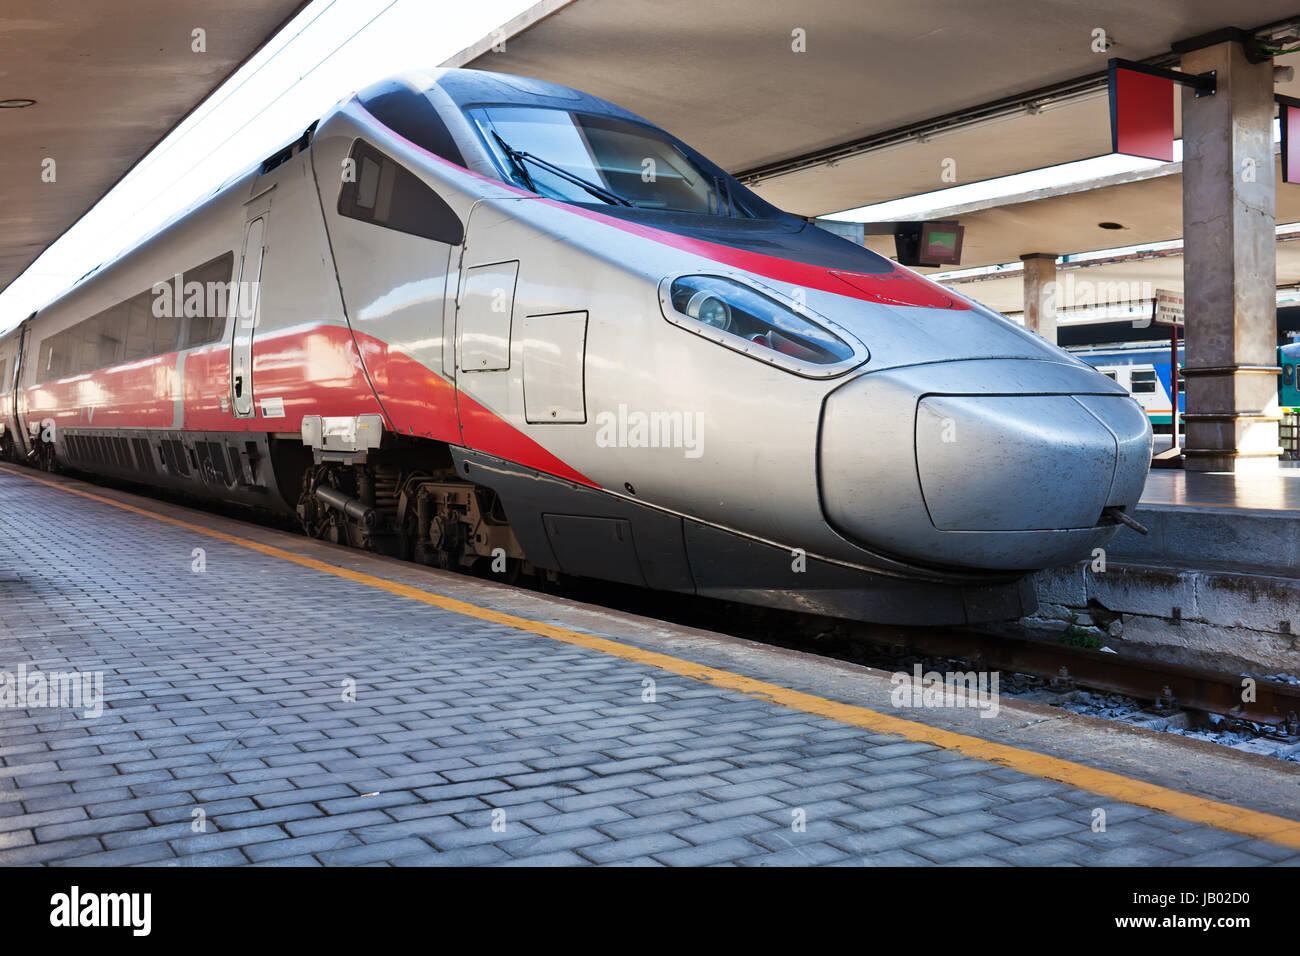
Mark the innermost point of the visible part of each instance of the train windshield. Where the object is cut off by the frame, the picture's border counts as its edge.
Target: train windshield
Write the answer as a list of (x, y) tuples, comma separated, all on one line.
[(587, 158)]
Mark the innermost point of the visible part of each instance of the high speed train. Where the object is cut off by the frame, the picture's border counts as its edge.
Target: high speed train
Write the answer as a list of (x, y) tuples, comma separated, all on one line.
[(469, 318), (1143, 368)]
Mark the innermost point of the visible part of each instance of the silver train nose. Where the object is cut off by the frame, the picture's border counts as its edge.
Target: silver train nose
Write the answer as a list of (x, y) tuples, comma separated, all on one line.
[(1004, 464)]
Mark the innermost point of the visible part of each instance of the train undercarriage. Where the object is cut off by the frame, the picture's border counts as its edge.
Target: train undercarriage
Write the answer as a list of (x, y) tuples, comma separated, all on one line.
[(412, 506), (405, 502), (460, 509)]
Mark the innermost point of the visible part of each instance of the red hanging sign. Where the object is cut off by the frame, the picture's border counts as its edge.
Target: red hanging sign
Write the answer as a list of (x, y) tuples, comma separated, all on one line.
[(1288, 112), (1141, 113)]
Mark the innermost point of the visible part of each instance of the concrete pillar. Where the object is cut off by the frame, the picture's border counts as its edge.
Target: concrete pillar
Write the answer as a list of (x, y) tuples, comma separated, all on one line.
[(1041, 293), (1230, 264)]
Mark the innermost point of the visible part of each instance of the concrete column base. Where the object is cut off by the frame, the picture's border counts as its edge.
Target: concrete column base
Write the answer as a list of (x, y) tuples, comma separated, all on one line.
[(1235, 423), (1196, 459)]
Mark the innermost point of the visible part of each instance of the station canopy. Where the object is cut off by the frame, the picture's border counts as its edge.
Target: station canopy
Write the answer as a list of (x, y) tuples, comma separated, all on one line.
[(110, 80), (886, 93)]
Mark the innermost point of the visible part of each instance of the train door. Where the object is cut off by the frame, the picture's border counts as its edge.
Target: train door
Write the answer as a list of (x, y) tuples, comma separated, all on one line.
[(395, 241), (450, 309), (17, 409), (247, 302), (485, 323)]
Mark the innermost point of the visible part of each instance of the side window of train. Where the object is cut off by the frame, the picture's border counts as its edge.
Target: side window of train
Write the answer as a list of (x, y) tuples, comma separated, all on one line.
[(132, 330), (140, 325), (1144, 380), (388, 194), (1288, 374), (214, 278)]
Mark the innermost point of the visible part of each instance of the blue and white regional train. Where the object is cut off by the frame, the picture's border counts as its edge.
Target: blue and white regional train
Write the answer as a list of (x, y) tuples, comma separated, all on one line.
[(470, 317), (1143, 368)]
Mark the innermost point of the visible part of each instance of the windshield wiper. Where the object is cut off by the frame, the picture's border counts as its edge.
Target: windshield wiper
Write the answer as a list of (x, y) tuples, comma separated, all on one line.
[(514, 161), (723, 196), (518, 157)]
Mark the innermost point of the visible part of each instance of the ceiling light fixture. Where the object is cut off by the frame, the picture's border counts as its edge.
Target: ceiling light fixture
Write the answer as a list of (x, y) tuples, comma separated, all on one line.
[(16, 104)]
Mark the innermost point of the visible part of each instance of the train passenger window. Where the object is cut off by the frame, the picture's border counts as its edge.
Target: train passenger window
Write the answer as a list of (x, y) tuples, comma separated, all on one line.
[(82, 345), (4, 375), (109, 335), (1288, 374), (139, 332), (70, 351), (1110, 374), (85, 348), (60, 360), (1144, 380), (165, 328), (388, 194), (130, 331), (214, 278), (45, 359)]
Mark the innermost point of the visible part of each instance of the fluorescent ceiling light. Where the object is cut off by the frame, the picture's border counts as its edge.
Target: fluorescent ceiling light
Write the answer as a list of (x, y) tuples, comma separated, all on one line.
[(330, 50)]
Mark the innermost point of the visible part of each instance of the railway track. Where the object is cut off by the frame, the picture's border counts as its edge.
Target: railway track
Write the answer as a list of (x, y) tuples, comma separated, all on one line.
[(1169, 687), (1274, 707)]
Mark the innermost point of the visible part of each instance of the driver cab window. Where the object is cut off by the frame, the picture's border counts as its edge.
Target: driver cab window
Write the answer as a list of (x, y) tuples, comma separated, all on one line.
[(588, 158)]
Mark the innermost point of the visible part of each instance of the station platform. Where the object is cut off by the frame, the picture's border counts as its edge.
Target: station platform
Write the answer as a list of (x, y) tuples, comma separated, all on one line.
[(1218, 520), (269, 699), (1215, 581), (1276, 491)]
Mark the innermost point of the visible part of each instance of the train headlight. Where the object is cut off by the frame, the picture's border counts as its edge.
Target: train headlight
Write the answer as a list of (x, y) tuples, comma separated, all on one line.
[(760, 324), (710, 310)]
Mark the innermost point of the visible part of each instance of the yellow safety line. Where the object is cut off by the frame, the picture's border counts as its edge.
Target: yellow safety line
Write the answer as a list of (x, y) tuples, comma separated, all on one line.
[(1185, 806)]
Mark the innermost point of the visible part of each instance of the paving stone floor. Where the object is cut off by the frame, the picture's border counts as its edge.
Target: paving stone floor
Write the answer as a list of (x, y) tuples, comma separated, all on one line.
[(260, 712)]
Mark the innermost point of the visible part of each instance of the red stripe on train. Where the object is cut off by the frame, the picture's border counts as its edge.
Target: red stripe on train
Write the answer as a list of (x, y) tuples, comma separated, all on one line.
[(311, 371)]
